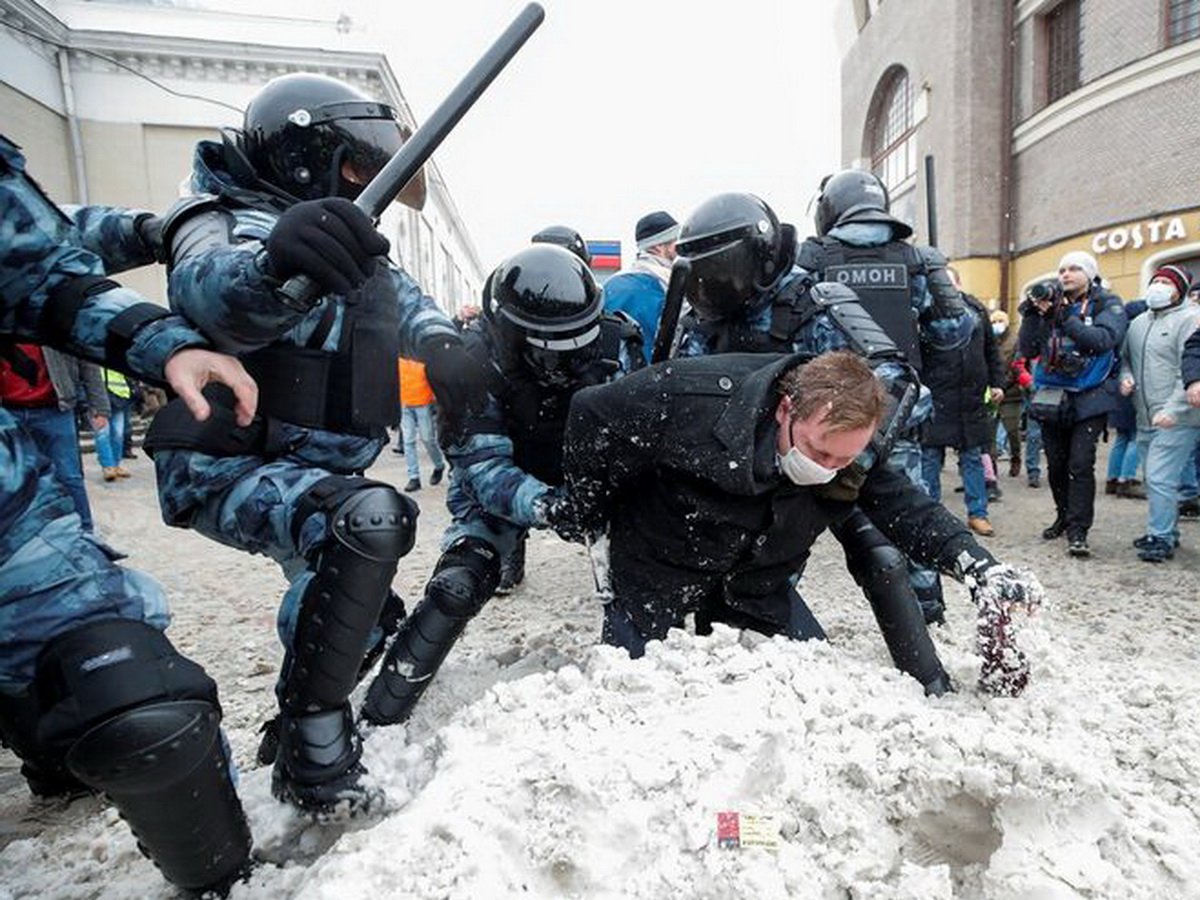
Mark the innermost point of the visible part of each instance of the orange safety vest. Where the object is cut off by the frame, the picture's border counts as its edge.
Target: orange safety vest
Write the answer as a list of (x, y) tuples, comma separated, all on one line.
[(414, 386)]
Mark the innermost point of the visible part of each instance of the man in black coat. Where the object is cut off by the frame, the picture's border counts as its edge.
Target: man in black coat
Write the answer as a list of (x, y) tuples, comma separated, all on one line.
[(714, 476), (964, 375)]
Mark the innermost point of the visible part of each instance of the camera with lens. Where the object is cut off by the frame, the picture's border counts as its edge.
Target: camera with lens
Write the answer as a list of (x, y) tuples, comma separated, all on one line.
[(1048, 290)]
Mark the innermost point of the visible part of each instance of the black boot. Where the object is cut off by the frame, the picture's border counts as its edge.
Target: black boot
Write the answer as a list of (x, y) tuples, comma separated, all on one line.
[(317, 768), (1055, 529)]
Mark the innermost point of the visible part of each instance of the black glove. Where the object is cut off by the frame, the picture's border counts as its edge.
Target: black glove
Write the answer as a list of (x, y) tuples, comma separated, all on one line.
[(558, 510), (331, 241), (459, 382)]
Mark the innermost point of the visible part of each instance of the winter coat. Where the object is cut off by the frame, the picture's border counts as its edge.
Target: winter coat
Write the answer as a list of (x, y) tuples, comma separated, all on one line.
[(680, 461), (1191, 359), (1077, 349), (1122, 418), (1152, 357), (959, 379), (640, 292)]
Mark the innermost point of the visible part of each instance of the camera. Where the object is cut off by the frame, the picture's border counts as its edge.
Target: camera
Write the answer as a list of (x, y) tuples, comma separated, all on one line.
[(1048, 290)]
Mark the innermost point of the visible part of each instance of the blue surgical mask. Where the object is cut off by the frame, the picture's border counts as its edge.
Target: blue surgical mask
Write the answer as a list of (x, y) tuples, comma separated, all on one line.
[(998, 329)]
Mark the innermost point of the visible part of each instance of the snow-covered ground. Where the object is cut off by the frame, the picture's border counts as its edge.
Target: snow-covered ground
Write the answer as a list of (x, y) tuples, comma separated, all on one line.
[(540, 765)]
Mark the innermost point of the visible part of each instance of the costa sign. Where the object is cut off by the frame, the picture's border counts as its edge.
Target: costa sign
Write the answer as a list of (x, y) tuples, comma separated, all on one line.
[(1137, 236)]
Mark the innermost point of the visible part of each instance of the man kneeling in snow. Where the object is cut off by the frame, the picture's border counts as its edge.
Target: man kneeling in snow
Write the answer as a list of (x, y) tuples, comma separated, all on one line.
[(714, 476)]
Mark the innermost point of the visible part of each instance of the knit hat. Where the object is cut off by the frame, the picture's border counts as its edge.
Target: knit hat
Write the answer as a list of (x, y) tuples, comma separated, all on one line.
[(1085, 261), (1177, 275), (655, 228)]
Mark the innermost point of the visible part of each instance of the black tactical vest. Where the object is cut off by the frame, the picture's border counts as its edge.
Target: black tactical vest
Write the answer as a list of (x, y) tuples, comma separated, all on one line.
[(880, 276), (352, 389), (536, 415)]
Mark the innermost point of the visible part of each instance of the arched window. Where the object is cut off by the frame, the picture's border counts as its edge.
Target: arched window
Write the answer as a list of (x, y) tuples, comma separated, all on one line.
[(891, 137)]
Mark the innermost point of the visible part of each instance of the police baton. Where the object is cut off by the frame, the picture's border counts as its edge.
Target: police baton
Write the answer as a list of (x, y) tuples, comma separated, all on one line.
[(300, 291), (668, 320)]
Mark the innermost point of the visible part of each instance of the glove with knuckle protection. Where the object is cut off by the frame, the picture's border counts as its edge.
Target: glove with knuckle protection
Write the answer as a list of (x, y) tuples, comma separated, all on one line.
[(330, 240)]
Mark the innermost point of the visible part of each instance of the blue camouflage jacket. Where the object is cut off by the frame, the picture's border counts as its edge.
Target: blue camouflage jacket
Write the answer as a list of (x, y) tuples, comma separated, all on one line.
[(487, 480), (226, 290), (42, 250)]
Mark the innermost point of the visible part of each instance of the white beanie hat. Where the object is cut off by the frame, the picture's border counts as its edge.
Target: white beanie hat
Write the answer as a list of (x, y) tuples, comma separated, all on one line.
[(1084, 261)]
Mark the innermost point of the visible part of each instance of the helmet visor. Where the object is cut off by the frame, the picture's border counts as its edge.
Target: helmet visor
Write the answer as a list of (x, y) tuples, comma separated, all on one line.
[(723, 283), (561, 362)]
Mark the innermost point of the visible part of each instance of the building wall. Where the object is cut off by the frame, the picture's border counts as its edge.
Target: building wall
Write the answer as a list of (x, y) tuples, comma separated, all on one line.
[(1114, 33), (1132, 158), (42, 135), (1115, 158), (953, 86)]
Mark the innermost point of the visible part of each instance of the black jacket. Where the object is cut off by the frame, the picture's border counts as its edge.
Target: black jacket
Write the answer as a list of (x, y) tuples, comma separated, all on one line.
[(680, 460), (1191, 359), (958, 379)]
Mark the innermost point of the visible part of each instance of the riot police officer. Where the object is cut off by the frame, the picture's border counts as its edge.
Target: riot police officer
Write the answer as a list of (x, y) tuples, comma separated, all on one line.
[(512, 566), (93, 695), (544, 336), (273, 201), (747, 296), (566, 237), (905, 289)]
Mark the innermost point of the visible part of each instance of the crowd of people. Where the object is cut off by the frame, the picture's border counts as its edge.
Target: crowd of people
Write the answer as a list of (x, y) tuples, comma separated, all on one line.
[(813, 385)]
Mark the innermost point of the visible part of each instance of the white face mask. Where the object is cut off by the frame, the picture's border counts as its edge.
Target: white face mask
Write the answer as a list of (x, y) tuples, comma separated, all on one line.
[(803, 471), (1160, 296), (998, 329)]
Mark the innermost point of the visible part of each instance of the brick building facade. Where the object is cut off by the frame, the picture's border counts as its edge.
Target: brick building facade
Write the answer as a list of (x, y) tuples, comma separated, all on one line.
[(1078, 132)]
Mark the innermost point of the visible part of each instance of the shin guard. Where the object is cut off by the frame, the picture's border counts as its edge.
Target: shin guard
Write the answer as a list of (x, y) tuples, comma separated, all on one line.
[(463, 580), (141, 723)]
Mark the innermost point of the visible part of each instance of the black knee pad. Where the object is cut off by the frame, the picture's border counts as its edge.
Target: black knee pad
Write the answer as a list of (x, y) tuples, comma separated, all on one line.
[(367, 517), (89, 674), (878, 567), (141, 723), (464, 578)]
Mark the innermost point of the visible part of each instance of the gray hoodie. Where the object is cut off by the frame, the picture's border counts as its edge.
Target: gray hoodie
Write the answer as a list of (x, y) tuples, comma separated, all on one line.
[(1152, 356)]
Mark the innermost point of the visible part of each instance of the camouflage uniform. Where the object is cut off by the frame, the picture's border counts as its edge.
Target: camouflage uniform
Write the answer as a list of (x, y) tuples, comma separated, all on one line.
[(490, 496), (940, 326), (251, 501), (53, 576)]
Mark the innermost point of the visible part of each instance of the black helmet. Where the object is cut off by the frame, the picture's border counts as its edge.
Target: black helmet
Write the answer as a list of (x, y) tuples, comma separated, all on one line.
[(855, 195), (737, 248), (543, 307), (562, 236), (300, 130)]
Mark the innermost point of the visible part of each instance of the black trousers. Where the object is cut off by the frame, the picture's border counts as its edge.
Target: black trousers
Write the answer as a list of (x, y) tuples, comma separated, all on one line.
[(1071, 468)]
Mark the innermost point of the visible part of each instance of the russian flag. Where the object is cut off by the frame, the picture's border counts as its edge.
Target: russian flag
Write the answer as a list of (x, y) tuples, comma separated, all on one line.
[(605, 254)]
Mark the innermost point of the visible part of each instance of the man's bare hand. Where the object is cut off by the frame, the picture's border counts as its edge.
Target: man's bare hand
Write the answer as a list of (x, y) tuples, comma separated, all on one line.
[(189, 370), (1193, 394)]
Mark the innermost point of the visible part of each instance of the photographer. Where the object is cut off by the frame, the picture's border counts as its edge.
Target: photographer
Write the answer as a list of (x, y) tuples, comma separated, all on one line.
[(1075, 326)]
